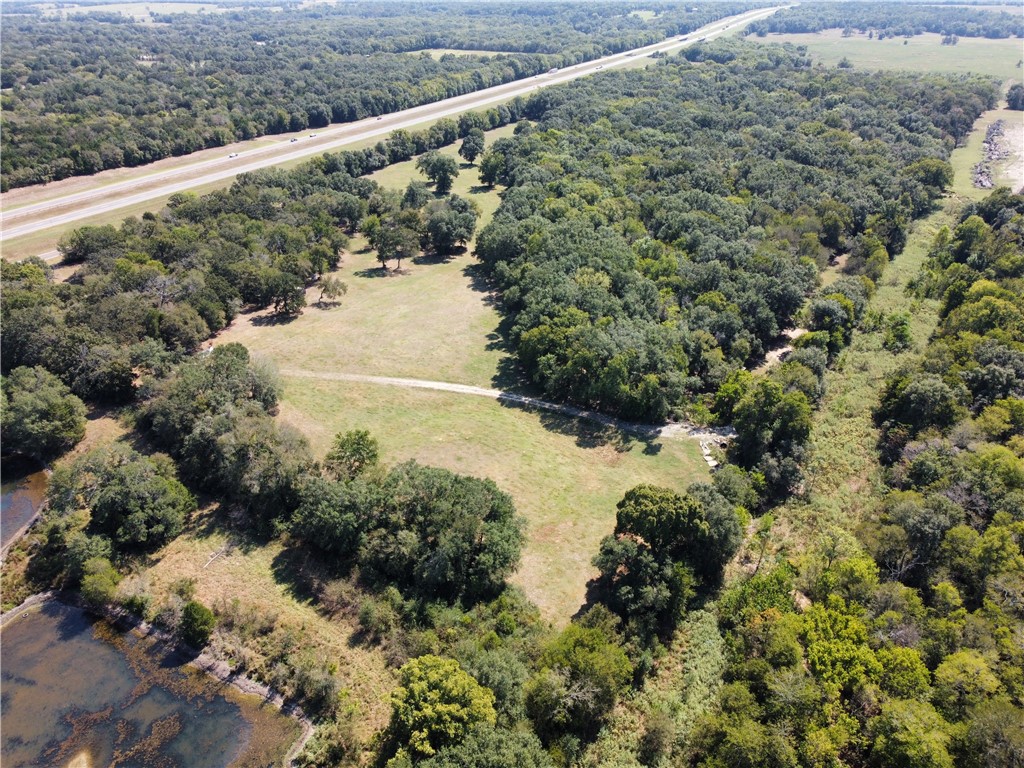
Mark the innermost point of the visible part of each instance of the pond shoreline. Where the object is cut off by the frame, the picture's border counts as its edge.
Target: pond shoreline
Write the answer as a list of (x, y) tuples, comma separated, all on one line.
[(204, 662), (28, 524)]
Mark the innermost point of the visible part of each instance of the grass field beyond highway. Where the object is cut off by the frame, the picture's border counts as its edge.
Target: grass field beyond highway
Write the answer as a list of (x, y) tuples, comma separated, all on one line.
[(922, 53)]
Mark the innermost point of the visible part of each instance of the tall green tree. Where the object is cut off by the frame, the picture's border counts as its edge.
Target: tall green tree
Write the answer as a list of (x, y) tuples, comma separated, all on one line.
[(40, 416), (435, 706), (439, 168), (472, 146)]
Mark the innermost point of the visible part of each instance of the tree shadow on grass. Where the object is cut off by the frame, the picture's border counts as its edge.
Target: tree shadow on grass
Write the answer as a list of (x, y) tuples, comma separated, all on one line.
[(300, 572), (373, 272), (273, 319), (432, 257), (585, 432), (480, 189)]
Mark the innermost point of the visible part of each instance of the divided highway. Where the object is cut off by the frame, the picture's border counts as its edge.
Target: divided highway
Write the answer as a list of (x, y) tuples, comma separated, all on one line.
[(144, 185)]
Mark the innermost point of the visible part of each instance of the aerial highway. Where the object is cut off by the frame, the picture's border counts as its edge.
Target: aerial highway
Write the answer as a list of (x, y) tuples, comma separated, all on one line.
[(31, 210)]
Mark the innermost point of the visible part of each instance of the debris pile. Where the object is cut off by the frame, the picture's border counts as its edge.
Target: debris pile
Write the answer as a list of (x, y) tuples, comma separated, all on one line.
[(993, 151)]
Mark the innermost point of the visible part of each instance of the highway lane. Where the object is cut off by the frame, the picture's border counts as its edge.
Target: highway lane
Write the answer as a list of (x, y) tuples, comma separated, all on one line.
[(146, 186)]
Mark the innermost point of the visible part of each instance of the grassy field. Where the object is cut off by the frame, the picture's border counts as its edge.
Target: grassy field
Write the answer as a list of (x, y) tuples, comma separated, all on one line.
[(437, 53), (564, 474), (142, 12), (436, 322), (923, 53), (253, 576), (1009, 172), (429, 322)]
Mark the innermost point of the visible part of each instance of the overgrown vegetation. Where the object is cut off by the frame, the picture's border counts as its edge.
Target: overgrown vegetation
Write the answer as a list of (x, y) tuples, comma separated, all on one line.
[(644, 253), (904, 657)]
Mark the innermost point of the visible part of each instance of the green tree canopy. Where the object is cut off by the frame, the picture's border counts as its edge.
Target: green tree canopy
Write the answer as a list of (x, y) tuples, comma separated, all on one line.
[(439, 168), (488, 747), (472, 146), (435, 706), (352, 453), (40, 416), (135, 500), (910, 734), (582, 672)]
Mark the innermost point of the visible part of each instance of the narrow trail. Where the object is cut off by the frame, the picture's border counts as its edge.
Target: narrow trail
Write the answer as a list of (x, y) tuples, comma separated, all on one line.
[(674, 430)]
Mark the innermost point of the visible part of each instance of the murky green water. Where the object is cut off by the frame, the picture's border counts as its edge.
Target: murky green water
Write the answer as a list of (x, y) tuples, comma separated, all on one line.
[(76, 692), (23, 490)]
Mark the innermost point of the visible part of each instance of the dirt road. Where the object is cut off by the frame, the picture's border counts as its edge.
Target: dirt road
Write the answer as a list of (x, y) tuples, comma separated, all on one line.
[(680, 429), (33, 209)]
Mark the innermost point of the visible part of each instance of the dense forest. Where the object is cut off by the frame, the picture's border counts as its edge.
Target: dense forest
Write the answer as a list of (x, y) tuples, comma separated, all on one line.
[(82, 95), (891, 20), (909, 654), (658, 230), (647, 253)]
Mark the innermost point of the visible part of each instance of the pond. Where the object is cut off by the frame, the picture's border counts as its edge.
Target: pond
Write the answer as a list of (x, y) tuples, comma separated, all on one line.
[(24, 489), (77, 692)]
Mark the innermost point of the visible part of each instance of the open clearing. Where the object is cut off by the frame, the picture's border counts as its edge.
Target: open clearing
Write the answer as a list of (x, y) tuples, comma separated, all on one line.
[(565, 474), (436, 322), (429, 322), (922, 53), (1009, 172), (437, 53)]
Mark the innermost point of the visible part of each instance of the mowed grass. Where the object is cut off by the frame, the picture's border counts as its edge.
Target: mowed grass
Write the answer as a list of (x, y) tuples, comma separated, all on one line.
[(432, 321), (437, 53), (143, 11), (565, 475), (1009, 172), (922, 53)]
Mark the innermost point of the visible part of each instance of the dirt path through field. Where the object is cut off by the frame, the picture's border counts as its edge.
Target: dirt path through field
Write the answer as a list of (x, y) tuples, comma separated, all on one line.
[(679, 429)]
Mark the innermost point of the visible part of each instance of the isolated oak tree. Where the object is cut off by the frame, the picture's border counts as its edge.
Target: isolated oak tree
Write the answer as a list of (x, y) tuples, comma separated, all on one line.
[(472, 146), (440, 169)]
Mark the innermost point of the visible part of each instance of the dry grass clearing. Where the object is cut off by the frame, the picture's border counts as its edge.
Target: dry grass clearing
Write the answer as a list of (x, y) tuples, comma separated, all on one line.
[(433, 321), (437, 53), (253, 577), (436, 322), (429, 323), (1009, 172)]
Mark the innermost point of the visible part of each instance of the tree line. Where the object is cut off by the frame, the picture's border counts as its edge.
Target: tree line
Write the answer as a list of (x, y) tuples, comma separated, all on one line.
[(83, 94), (657, 250), (891, 20), (150, 292), (905, 656)]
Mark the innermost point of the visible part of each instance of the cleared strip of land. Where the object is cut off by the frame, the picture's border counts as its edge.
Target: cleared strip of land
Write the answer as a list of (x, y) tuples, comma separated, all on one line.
[(678, 429)]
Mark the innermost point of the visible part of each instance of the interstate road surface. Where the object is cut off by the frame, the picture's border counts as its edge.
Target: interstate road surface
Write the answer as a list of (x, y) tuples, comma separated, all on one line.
[(143, 185)]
